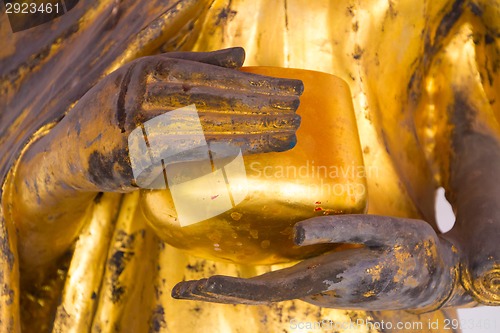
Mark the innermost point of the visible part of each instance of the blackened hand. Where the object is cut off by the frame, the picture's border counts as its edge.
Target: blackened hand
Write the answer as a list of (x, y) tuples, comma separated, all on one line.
[(403, 265)]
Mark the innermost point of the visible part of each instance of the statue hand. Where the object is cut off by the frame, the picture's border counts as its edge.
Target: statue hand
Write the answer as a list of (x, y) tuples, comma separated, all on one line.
[(254, 113), (403, 265), (87, 152)]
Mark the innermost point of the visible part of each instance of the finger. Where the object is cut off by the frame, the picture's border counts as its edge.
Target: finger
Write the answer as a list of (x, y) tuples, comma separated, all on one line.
[(227, 112), (205, 290), (255, 123), (250, 134), (225, 126), (310, 277), (370, 230), (195, 73), (223, 101), (257, 143), (228, 58)]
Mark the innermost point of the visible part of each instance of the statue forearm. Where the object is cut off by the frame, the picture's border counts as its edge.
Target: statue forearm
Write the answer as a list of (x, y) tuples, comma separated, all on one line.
[(473, 189), (467, 151), (46, 207), (87, 152), (60, 173), (476, 197)]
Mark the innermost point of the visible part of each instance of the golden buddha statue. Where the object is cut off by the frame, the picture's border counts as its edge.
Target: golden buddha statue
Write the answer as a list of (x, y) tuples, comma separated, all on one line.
[(79, 254)]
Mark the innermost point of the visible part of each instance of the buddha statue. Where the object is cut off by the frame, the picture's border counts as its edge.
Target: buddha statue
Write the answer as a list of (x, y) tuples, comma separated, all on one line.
[(80, 252)]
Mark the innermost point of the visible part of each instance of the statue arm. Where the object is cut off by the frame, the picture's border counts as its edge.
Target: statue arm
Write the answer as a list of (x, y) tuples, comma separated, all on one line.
[(59, 175), (467, 94)]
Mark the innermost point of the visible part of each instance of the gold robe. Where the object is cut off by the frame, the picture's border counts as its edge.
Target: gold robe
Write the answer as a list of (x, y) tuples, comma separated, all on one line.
[(120, 275)]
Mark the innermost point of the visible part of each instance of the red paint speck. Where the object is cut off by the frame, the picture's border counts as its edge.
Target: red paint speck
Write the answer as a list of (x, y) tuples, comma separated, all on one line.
[(214, 196)]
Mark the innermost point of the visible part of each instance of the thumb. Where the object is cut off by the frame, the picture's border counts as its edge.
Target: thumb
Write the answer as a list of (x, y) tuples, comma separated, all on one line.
[(229, 58)]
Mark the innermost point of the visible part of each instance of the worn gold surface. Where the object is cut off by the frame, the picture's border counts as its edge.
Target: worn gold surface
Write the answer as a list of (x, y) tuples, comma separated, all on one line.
[(388, 52), (78, 305), (462, 74)]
